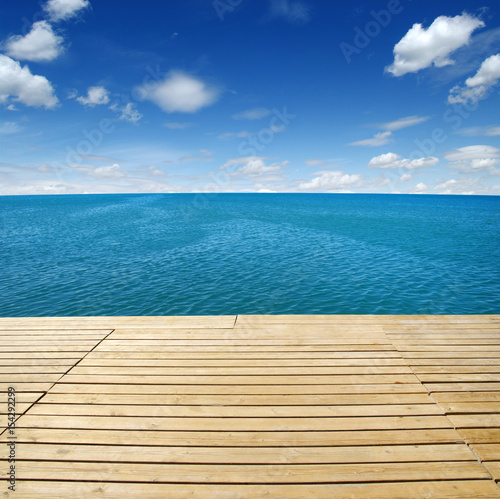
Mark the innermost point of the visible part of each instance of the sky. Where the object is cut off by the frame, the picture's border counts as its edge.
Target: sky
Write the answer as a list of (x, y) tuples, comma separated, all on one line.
[(391, 96)]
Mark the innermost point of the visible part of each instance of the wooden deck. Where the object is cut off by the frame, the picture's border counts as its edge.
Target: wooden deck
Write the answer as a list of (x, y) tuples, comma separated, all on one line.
[(252, 406)]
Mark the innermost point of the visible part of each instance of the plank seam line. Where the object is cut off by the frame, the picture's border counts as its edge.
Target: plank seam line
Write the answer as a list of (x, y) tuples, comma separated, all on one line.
[(444, 413), (62, 376)]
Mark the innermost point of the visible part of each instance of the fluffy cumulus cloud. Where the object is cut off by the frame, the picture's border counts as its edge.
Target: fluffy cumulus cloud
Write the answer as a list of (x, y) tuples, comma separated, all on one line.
[(477, 86), (62, 10), (252, 114), (41, 44), (180, 92), (19, 84), (393, 161), (475, 159), (421, 48), (380, 139), (96, 96), (330, 181)]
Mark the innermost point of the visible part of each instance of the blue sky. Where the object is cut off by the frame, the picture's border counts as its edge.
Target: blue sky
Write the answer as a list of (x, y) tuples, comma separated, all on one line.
[(395, 96)]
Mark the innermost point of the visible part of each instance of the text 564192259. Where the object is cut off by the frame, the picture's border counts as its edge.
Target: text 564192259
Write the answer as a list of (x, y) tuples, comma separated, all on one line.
[(11, 437)]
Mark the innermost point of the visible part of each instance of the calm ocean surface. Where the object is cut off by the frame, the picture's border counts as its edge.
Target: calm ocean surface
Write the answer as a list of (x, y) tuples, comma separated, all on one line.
[(184, 254)]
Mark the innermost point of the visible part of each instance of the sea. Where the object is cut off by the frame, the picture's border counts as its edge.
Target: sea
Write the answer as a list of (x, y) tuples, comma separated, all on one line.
[(217, 254)]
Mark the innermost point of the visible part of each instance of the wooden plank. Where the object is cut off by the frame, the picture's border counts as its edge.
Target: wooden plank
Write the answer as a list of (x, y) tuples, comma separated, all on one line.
[(248, 455), (14, 379), (234, 371), (63, 363), (16, 370), (94, 360), (488, 452), (212, 411), (477, 361), (480, 435), (235, 424), (472, 489), (494, 468), (230, 380), (220, 322), (276, 349), (247, 355), (273, 474), (459, 378), (26, 356), (92, 436), (255, 343), (243, 400), (27, 397), (448, 397), (398, 320), (63, 332), (342, 333), (461, 370), (471, 407), (25, 387), (237, 389), (463, 387), (475, 420)]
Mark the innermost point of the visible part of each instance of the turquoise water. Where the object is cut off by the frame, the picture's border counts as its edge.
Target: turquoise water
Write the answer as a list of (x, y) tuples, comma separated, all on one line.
[(192, 254)]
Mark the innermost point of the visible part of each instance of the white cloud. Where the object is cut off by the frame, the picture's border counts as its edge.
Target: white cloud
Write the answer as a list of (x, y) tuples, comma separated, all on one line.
[(62, 10), (394, 161), (156, 172), (330, 181), (41, 44), (420, 188), (380, 139), (314, 162), (473, 152), (252, 166), (406, 177), (23, 86), (252, 114), (478, 85), (180, 92), (475, 159), (487, 131), (403, 123), (111, 171), (453, 186), (128, 113), (96, 96), (421, 48), (9, 127), (295, 12)]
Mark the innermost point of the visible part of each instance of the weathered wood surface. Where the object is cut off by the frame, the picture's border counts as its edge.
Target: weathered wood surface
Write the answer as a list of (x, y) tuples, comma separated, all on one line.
[(253, 406)]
